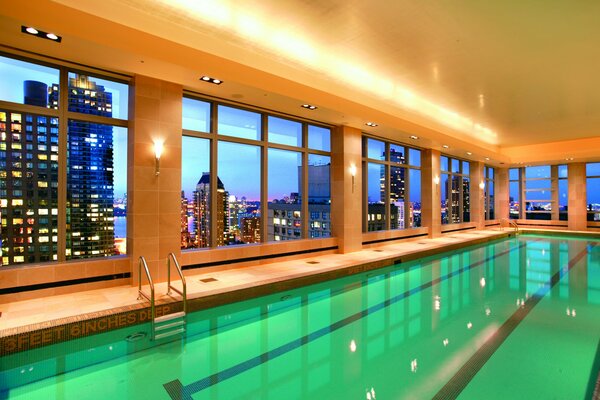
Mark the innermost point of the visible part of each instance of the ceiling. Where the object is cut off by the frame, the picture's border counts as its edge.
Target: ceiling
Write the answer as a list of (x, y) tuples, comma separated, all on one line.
[(484, 77)]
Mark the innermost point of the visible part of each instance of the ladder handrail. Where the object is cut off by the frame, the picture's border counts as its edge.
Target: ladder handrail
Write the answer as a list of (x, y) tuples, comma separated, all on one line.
[(183, 283), (142, 261)]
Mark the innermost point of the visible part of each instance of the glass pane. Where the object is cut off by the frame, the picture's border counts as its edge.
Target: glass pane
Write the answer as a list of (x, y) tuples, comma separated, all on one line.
[(466, 200), (455, 206), (284, 221), (563, 195), (593, 169), (397, 196), (563, 171), (444, 163), (238, 207), (196, 115), (239, 123), (28, 188), (490, 173), (414, 157), (455, 165), (445, 199), (376, 197), (26, 83), (414, 212), (537, 172), (537, 206), (319, 196), (465, 167), (514, 197), (375, 149), (96, 96), (397, 154), (284, 131), (319, 138), (513, 174), (96, 190), (593, 194), (491, 198), (538, 195), (538, 184), (195, 193)]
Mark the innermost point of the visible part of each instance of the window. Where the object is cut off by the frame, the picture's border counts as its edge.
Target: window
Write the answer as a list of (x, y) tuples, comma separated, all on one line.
[(95, 159), (455, 190), (563, 193), (249, 153), (539, 192), (514, 189), (593, 191), (489, 199), (392, 186)]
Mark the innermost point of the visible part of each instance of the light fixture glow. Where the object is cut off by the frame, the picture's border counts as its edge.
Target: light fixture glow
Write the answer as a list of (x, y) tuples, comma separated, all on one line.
[(445, 146), (469, 153), (413, 137), (352, 170), (211, 80), (158, 150), (481, 185), (32, 30), (51, 36), (436, 180), (373, 124), (353, 346), (309, 106), (487, 159)]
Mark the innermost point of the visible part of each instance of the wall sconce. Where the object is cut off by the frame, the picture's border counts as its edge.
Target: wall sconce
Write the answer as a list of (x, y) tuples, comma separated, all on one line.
[(352, 171), (436, 180), (482, 185), (158, 149)]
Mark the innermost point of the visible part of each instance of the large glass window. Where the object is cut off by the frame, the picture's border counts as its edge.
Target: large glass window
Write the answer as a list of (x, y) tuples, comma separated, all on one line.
[(538, 192), (593, 191), (238, 199), (514, 189), (489, 200), (563, 193), (195, 193), (455, 191), (94, 209), (285, 202), (298, 184), (392, 185)]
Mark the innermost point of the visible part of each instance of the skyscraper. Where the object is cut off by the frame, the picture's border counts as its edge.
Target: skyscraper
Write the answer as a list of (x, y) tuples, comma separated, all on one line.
[(202, 212), (90, 192)]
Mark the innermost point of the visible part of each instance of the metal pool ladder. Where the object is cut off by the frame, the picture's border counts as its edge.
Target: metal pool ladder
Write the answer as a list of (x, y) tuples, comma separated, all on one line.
[(510, 222), (169, 324)]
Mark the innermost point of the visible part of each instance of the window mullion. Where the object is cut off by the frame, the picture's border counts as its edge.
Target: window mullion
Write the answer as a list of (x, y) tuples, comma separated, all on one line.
[(62, 164)]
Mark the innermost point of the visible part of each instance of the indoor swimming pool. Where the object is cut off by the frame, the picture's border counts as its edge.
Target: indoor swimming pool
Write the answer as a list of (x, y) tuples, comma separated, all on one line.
[(512, 319)]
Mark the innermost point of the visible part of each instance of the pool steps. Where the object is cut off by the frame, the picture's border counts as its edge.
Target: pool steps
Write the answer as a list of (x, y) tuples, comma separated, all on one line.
[(170, 324)]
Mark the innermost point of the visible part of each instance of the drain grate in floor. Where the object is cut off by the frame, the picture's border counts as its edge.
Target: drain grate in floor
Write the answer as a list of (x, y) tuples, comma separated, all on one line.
[(207, 280), (312, 262), (422, 243), (378, 251)]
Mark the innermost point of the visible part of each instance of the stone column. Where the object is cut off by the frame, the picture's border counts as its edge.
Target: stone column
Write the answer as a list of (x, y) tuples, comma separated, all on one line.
[(431, 192), (577, 196), (502, 194), (346, 191), (154, 202)]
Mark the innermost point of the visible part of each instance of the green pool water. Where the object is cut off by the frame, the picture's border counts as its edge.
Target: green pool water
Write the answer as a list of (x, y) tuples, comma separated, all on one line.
[(513, 319)]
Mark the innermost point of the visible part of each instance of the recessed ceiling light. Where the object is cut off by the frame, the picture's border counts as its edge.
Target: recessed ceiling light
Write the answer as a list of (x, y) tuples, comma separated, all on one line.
[(487, 159), (211, 80), (413, 137), (469, 153), (309, 106), (371, 124), (30, 30), (445, 146), (569, 158)]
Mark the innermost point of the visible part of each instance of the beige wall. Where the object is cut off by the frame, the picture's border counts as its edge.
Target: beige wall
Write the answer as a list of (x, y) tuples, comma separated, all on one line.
[(577, 196), (431, 192)]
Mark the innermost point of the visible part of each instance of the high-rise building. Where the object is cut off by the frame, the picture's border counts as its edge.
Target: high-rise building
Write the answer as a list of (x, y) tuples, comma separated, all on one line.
[(29, 182), (250, 229), (90, 191), (186, 237), (202, 212)]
